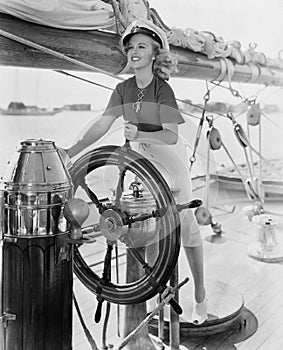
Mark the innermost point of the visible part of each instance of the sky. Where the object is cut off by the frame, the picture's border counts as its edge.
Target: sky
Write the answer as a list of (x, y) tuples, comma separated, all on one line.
[(248, 21)]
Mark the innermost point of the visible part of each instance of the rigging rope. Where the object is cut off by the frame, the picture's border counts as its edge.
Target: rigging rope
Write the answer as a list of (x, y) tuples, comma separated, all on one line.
[(206, 99), (82, 79), (86, 331), (248, 100)]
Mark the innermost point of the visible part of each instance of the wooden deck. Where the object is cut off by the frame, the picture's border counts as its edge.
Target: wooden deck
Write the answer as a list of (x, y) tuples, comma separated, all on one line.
[(260, 325)]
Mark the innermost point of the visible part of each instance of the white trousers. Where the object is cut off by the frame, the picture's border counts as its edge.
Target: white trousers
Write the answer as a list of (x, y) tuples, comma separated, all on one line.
[(173, 163)]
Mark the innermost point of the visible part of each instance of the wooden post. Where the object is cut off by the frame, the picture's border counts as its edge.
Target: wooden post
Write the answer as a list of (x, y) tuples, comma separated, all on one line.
[(174, 317), (135, 313)]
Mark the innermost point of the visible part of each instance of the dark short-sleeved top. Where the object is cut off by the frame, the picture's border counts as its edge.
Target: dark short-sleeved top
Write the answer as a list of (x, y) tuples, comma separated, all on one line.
[(158, 105)]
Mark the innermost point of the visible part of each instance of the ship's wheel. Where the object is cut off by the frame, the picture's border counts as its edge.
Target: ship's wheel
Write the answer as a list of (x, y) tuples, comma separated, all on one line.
[(100, 178)]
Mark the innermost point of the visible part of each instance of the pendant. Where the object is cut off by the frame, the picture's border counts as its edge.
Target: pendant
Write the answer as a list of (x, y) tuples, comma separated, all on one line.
[(137, 106)]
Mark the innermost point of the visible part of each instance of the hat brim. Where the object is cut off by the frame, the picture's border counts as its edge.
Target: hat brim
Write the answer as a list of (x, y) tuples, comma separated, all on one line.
[(145, 31)]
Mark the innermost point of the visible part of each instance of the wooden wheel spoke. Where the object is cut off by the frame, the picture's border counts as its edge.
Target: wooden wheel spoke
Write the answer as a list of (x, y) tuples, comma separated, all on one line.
[(91, 195)]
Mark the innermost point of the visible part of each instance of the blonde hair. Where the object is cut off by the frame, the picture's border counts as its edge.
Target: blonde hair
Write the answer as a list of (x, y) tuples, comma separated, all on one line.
[(164, 63)]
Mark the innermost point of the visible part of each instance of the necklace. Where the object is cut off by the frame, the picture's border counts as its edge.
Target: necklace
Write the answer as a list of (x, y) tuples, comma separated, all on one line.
[(137, 104)]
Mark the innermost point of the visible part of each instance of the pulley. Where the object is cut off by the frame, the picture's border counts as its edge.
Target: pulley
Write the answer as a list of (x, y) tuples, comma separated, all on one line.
[(214, 138), (253, 115), (203, 216)]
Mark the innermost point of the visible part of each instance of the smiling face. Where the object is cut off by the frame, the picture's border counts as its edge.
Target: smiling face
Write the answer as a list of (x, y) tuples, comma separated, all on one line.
[(140, 51)]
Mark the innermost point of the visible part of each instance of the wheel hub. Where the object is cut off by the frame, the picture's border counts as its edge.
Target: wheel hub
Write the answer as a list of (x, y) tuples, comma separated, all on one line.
[(111, 225)]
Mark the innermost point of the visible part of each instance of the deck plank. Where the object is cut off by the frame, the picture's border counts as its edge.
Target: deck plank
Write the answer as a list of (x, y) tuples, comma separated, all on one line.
[(259, 282)]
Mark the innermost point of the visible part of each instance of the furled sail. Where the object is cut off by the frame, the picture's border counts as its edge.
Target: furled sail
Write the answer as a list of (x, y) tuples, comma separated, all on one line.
[(65, 14)]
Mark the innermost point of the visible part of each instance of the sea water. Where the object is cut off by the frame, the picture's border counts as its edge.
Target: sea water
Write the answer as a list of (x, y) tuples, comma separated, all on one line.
[(66, 127)]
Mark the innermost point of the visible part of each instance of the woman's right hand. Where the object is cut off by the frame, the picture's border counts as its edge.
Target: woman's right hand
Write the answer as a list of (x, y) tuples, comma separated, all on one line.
[(130, 132)]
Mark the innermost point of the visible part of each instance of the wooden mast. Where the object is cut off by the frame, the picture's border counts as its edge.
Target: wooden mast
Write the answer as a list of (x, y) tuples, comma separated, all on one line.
[(101, 49)]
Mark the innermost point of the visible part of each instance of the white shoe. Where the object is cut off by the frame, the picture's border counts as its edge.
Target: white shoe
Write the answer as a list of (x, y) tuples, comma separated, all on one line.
[(199, 315)]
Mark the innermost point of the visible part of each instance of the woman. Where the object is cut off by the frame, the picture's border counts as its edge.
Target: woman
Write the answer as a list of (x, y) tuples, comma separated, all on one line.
[(149, 107)]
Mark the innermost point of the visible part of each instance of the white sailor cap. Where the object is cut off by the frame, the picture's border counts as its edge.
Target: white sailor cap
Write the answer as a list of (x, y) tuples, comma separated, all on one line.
[(143, 26)]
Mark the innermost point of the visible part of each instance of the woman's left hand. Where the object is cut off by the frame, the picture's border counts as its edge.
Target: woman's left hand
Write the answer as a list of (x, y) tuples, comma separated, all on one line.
[(130, 132)]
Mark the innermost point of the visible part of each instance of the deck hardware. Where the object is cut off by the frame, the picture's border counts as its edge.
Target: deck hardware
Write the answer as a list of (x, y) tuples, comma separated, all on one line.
[(206, 98), (204, 218), (166, 296), (254, 115), (240, 135), (217, 237), (268, 247), (214, 137), (6, 317), (242, 323), (253, 189), (252, 184)]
